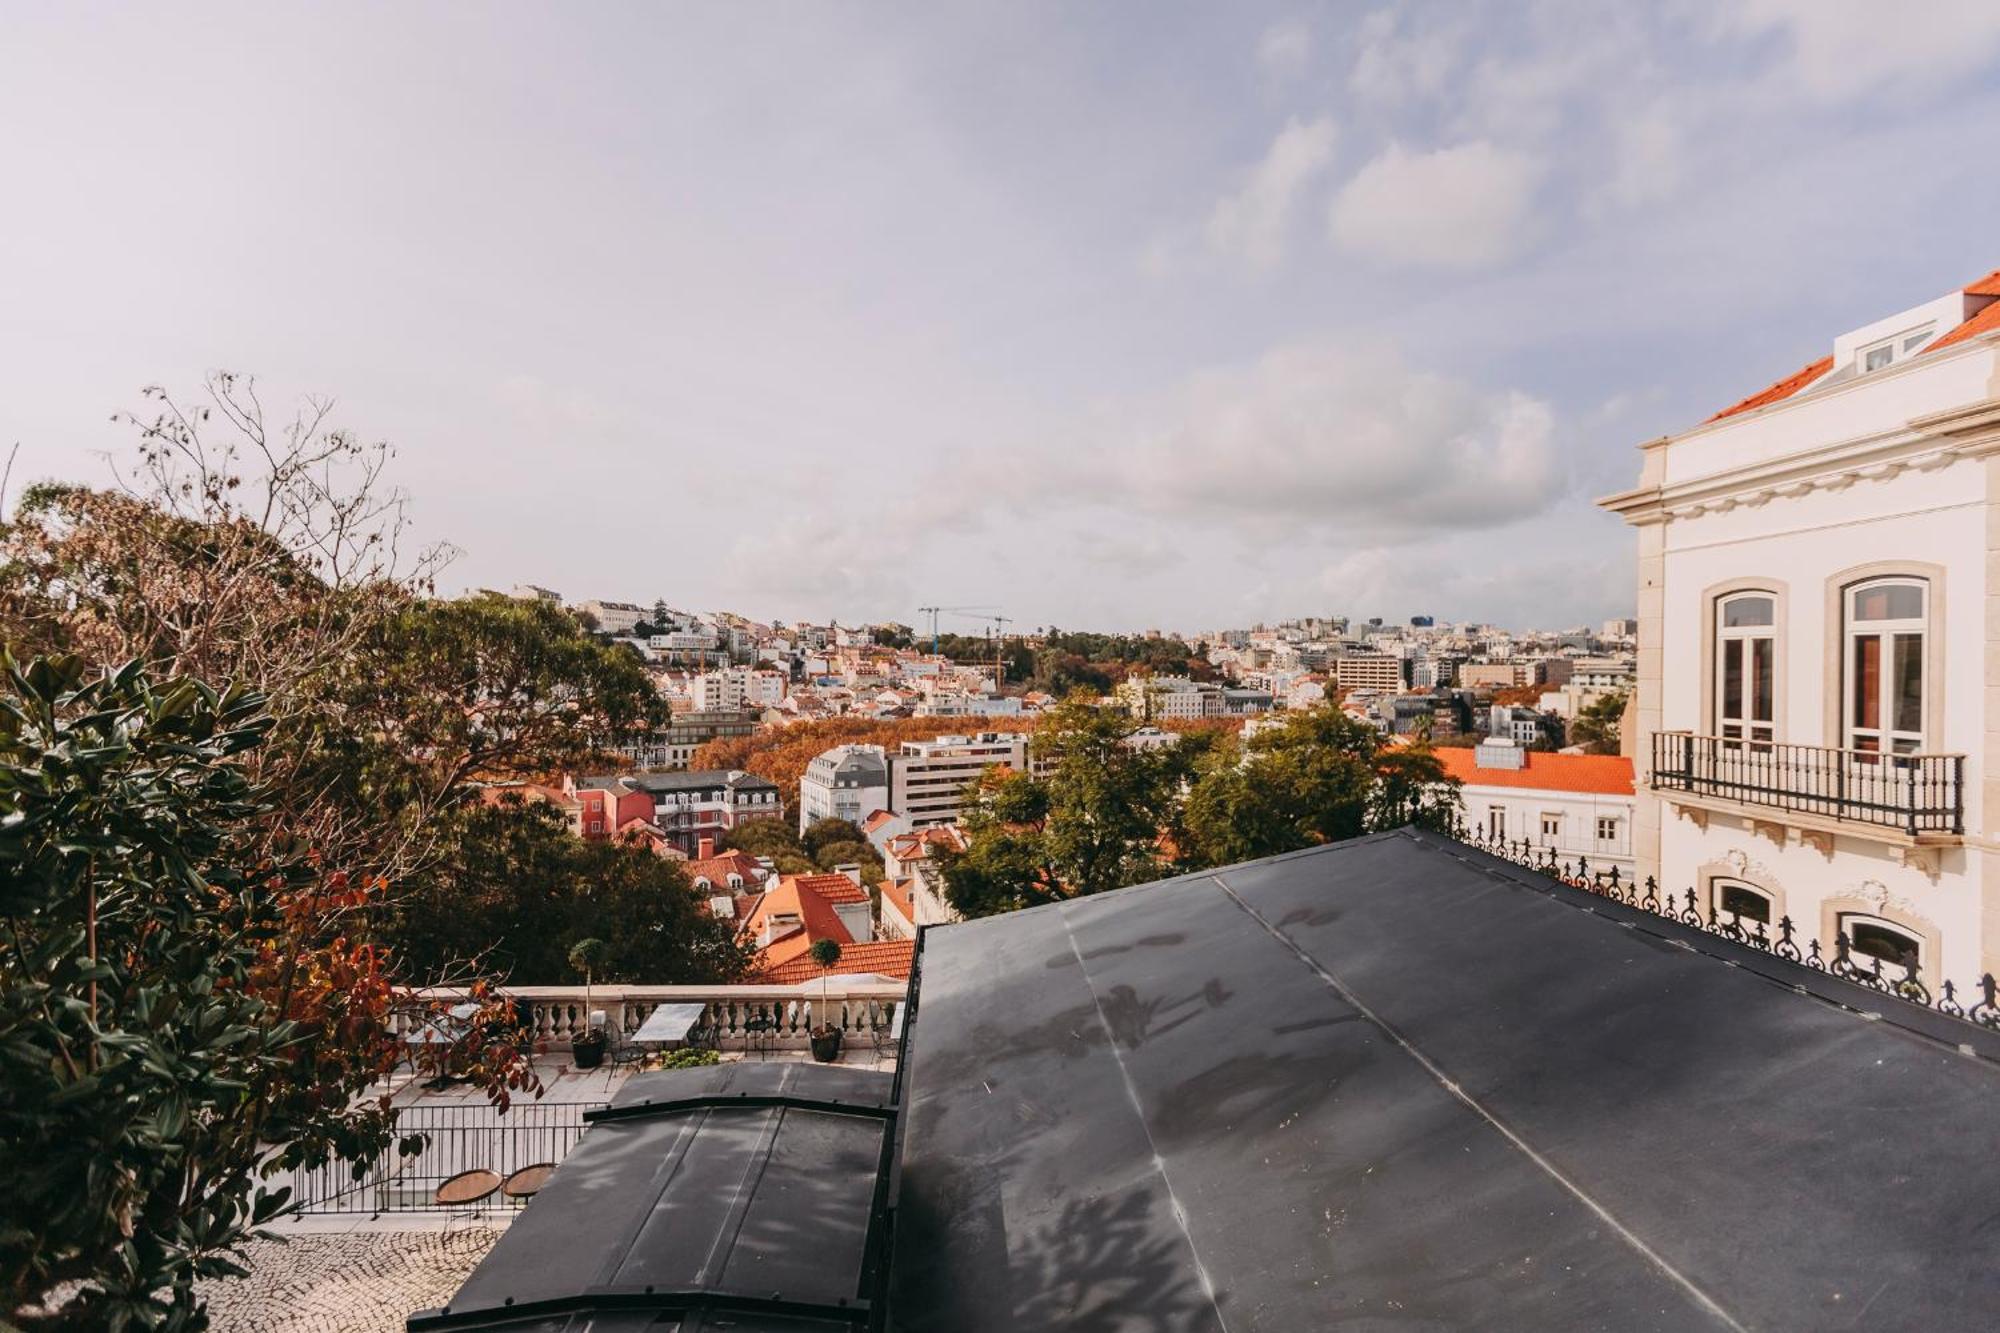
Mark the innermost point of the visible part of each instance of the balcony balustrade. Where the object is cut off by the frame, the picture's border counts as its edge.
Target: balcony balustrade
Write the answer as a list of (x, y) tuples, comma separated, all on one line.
[(1914, 794), (553, 1016)]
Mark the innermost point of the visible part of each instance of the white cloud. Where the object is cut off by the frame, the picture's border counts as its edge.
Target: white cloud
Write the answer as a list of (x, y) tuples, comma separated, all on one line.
[(1467, 206), (1841, 48), (1392, 67), (1327, 440), (1285, 48), (1252, 224)]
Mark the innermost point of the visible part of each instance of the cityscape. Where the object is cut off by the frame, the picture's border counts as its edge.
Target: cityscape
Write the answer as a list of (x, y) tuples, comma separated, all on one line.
[(1304, 742)]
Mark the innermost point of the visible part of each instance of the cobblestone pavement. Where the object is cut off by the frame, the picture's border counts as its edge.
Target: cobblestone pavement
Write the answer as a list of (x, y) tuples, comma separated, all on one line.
[(346, 1282)]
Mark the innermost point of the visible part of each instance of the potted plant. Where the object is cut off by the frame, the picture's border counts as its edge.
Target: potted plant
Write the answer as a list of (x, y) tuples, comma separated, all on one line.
[(587, 1049), (825, 1036)]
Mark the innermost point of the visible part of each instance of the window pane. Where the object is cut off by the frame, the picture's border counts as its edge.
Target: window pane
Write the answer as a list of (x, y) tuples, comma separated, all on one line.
[(1867, 681), (1889, 601), (1747, 904), (1761, 652), (1741, 611), (1732, 678), (1879, 358), (1909, 682), (1869, 940)]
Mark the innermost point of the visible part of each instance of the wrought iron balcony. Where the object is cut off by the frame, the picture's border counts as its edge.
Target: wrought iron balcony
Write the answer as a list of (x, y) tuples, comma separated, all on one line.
[(1911, 793)]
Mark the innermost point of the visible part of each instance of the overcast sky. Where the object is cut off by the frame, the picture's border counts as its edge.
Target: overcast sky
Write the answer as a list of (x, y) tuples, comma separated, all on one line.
[(1108, 315)]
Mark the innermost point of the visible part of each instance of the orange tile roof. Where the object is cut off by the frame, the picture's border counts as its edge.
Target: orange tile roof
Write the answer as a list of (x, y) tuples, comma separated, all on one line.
[(896, 892), (889, 958), (833, 888), (816, 915), (717, 869), (1780, 391), (1985, 320), (1595, 774)]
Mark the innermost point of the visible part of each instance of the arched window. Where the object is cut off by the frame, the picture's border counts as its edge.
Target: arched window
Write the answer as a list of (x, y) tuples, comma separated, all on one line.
[(1870, 937), (1887, 620), (1746, 650), (1731, 900)]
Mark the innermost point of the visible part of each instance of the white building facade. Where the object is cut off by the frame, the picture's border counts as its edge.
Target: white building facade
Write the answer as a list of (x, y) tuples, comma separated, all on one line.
[(1819, 646), (1576, 808)]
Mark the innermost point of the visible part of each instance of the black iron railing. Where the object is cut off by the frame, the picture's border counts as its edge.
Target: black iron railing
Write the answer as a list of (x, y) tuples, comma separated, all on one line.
[(1905, 981), (453, 1139), (1915, 793)]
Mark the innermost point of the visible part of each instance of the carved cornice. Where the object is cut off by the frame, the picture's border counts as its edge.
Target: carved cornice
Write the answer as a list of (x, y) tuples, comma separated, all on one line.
[(1926, 444)]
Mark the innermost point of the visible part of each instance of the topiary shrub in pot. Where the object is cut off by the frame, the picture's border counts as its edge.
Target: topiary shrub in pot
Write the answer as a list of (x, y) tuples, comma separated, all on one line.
[(825, 1036), (587, 1050)]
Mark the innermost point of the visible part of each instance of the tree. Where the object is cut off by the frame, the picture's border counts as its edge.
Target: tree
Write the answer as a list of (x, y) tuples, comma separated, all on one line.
[(1092, 823), (1598, 724), (824, 831), (1319, 776), (182, 1008), (773, 838), (515, 889)]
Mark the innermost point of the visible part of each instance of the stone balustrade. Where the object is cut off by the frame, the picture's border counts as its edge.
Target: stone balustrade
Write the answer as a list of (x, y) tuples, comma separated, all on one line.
[(554, 1015)]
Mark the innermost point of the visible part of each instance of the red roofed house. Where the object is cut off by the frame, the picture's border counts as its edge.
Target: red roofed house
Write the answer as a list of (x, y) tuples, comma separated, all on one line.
[(785, 922), (1816, 727), (1578, 805)]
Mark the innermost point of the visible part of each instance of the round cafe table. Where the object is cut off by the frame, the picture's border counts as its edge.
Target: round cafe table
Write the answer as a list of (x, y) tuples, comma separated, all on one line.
[(528, 1181), (467, 1187)]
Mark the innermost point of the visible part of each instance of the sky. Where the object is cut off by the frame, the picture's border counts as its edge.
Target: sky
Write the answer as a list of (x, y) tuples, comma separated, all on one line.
[(1111, 316)]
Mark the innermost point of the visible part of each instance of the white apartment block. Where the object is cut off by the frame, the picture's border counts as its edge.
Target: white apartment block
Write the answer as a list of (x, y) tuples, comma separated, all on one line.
[(928, 778), (847, 782), (1170, 698), (737, 687), (1817, 720), (1578, 807)]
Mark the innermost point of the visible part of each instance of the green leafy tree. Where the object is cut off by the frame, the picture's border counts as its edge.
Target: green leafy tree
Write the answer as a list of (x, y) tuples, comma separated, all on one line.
[(1092, 823), (1318, 777), (181, 1012), (773, 838), (1597, 724), (824, 831), (517, 890)]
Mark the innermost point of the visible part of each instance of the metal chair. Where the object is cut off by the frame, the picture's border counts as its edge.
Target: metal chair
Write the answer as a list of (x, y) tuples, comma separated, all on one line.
[(761, 1032)]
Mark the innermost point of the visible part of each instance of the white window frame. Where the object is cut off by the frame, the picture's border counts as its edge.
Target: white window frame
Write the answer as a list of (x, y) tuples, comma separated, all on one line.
[(1496, 823), (1608, 820), (1552, 837), (1845, 923), (1742, 641), (1876, 735)]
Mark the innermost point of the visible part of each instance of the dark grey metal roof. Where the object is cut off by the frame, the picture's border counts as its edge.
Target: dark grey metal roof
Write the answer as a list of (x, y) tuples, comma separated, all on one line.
[(1396, 1084), (745, 1196)]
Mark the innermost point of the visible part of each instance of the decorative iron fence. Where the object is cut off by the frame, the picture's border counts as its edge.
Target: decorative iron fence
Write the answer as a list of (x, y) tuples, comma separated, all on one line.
[(1903, 981), (1917, 793), (455, 1139)]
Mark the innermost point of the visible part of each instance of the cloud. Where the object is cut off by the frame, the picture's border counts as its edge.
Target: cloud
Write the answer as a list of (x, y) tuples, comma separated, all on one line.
[(1335, 440), (1467, 206), (1841, 48), (1392, 67), (1252, 225), (1285, 48)]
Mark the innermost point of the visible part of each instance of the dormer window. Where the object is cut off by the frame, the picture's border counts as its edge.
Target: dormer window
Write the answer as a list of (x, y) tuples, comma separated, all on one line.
[(1878, 356)]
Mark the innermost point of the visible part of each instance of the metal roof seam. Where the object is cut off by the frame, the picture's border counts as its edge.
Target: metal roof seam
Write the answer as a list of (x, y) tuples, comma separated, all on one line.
[(1201, 1273), (1452, 1086)]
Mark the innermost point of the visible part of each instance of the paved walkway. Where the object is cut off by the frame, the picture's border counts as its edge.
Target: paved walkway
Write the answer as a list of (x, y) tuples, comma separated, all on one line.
[(354, 1281)]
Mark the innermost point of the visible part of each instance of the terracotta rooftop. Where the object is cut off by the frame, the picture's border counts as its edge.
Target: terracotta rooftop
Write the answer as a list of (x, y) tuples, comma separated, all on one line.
[(1599, 774), (1984, 320), (889, 958)]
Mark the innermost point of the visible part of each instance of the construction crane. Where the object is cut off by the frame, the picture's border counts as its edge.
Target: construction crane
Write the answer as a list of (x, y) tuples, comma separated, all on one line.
[(933, 611)]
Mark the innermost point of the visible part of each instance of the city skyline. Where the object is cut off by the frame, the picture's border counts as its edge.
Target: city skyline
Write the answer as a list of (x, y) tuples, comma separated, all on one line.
[(1181, 317)]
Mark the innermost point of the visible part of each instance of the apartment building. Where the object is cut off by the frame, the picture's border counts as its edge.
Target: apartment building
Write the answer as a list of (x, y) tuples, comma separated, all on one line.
[(1819, 648), (1169, 698), (1577, 806), (847, 782), (1368, 671), (928, 778), (737, 687), (685, 808)]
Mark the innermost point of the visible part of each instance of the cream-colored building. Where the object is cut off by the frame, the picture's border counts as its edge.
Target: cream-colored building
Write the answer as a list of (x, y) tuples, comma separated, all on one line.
[(1817, 718)]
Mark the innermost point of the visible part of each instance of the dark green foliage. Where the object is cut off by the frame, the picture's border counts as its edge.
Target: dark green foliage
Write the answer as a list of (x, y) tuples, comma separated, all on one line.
[(520, 892), (138, 1057)]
